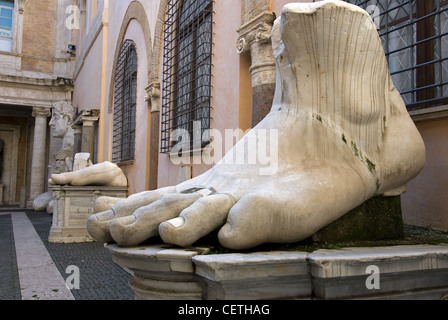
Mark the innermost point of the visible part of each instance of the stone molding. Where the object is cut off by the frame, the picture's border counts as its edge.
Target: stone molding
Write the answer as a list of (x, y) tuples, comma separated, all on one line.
[(43, 92), (153, 95), (22, 6)]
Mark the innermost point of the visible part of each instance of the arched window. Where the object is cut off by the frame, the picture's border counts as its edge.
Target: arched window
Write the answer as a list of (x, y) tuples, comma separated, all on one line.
[(187, 71), (125, 101)]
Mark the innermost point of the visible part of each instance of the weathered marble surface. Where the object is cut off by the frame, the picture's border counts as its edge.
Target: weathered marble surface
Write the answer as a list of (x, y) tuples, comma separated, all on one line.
[(73, 206), (344, 136)]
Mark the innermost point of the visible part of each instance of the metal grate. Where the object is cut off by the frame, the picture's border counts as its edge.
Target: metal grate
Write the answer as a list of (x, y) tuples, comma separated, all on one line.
[(125, 99), (415, 40), (187, 64)]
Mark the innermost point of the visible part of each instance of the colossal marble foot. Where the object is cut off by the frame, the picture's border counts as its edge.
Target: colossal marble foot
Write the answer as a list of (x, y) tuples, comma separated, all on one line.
[(344, 136)]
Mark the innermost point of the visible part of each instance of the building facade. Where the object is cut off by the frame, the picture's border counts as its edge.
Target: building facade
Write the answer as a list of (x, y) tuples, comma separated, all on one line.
[(146, 69), (36, 71)]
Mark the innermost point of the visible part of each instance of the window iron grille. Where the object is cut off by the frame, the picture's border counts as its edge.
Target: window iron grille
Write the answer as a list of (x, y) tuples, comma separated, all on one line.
[(125, 102), (187, 68), (415, 39)]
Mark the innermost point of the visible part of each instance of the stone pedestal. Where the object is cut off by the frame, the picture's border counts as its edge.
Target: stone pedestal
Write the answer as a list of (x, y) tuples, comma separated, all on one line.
[(161, 272), (397, 272), (72, 207)]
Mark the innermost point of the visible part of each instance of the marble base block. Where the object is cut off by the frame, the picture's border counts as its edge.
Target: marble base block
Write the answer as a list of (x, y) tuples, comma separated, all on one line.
[(72, 207), (397, 272), (166, 272), (254, 276)]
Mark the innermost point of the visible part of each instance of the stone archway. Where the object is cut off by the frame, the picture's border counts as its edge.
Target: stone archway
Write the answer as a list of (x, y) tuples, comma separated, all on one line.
[(135, 11)]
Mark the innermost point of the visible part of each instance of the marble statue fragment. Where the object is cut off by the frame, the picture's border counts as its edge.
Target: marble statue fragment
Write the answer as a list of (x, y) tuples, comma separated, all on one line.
[(62, 119), (106, 174), (81, 161), (344, 136)]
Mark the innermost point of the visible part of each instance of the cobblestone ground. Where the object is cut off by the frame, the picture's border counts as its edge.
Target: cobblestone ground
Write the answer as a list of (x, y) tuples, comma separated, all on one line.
[(100, 277), (9, 276)]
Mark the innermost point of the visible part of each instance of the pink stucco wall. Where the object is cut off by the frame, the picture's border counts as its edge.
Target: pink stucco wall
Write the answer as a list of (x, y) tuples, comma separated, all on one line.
[(426, 201), (225, 82)]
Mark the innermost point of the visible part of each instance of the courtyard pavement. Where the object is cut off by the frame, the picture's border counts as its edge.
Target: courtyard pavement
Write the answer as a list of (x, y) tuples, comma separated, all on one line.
[(31, 268)]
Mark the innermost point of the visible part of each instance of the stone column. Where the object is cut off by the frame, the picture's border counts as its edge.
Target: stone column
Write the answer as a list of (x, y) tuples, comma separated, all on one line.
[(255, 39), (88, 135), (153, 96), (84, 127), (77, 132), (38, 165)]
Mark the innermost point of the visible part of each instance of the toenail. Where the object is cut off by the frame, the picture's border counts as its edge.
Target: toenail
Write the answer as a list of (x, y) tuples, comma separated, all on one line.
[(127, 220), (177, 222), (205, 192)]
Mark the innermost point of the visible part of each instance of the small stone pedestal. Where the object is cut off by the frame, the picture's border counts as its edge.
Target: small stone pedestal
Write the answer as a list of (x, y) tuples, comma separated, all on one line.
[(72, 207)]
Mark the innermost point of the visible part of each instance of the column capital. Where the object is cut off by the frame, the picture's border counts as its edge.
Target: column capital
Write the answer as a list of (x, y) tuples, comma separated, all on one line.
[(258, 30), (41, 112), (77, 128), (85, 116), (153, 95), (89, 121)]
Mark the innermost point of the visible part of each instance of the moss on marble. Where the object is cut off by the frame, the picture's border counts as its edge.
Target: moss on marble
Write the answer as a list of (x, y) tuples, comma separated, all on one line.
[(379, 218)]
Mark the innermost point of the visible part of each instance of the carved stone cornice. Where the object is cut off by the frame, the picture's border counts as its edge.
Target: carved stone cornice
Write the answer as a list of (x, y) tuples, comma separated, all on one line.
[(258, 30), (153, 95)]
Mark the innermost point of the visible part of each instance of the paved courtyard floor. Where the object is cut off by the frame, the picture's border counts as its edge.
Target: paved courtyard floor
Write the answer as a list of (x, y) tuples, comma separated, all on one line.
[(31, 268)]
